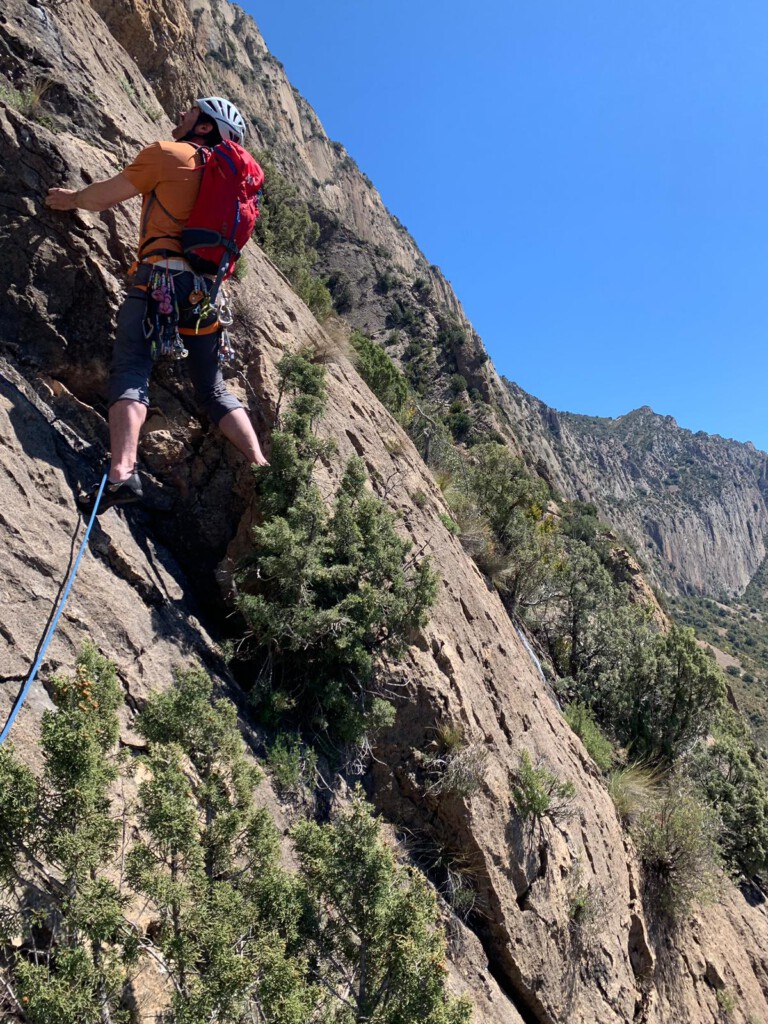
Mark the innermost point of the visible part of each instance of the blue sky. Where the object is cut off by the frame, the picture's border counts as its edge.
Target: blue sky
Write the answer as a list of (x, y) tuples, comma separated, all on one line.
[(592, 177)]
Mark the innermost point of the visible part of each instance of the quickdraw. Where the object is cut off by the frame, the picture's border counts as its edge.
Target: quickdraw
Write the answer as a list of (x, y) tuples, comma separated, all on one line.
[(162, 321), (226, 319), (201, 299)]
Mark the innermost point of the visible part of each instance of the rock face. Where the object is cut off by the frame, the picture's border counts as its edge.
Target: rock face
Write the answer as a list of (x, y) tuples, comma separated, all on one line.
[(694, 505), (152, 591)]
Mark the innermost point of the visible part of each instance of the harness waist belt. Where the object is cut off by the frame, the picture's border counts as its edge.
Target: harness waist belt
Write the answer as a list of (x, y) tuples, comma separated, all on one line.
[(169, 263), (175, 263)]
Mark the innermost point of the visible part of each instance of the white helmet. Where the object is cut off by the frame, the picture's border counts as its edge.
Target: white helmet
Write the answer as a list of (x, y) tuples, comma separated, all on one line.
[(226, 115)]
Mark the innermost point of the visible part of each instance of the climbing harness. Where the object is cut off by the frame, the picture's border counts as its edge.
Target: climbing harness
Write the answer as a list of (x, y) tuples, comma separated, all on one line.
[(54, 622), (161, 323)]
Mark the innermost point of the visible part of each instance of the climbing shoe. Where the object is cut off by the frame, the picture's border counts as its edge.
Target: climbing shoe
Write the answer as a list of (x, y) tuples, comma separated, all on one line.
[(126, 492)]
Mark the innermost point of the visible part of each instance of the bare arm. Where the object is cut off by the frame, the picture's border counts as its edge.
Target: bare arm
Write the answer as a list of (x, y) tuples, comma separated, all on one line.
[(98, 196)]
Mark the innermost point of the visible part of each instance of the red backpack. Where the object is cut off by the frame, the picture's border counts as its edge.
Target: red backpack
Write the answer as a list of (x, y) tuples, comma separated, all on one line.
[(225, 211)]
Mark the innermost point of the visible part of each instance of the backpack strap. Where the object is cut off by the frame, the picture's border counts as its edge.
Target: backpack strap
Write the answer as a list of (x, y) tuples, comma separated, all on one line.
[(200, 151)]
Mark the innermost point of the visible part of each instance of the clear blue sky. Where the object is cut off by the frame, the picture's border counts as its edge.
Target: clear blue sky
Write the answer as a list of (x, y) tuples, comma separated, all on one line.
[(592, 177)]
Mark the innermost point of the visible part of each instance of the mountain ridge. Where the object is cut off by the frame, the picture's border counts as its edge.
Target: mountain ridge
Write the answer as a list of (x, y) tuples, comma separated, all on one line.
[(693, 504)]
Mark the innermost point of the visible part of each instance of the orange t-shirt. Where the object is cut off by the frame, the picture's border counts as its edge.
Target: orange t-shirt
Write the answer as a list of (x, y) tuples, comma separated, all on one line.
[(168, 176)]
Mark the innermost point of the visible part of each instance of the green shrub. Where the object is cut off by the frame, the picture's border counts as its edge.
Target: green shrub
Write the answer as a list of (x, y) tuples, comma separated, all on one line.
[(450, 524), (500, 509), (64, 819), (677, 693), (241, 269), (431, 436), (732, 776), (579, 904), (29, 101), (312, 292), (208, 860), (340, 289), (128, 88), (450, 333), (592, 633), (293, 765), (375, 935), (405, 316), (380, 373), (385, 282), (599, 747), (460, 424), (153, 113), (288, 235), (677, 840), (537, 793), (726, 1002), (657, 693), (238, 937), (325, 591)]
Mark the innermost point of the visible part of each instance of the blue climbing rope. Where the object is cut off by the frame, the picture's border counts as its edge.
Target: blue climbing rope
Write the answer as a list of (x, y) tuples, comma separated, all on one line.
[(52, 628)]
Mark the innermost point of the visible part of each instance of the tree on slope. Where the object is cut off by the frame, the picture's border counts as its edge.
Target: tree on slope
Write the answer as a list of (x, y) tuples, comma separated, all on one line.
[(325, 591), (674, 697), (373, 926), (228, 914), (70, 950)]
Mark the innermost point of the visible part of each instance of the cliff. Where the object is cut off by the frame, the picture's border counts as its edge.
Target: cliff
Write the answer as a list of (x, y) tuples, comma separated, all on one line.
[(152, 592), (694, 505)]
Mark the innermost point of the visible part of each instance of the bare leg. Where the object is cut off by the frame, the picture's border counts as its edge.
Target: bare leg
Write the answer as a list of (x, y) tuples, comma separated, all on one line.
[(237, 428), (126, 418)]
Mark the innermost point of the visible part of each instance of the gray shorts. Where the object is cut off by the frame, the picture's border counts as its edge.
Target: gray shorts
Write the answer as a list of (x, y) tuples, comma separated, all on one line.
[(132, 355)]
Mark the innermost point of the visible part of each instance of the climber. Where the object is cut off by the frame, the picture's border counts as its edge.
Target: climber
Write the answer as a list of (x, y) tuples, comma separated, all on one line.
[(167, 175)]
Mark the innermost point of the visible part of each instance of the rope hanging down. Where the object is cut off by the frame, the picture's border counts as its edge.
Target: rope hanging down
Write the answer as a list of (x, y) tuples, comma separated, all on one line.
[(51, 629)]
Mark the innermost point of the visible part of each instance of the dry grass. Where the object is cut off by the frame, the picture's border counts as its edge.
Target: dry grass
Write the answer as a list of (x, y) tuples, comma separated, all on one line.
[(456, 876), (333, 344), (460, 768), (450, 737), (634, 789), (28, 101)]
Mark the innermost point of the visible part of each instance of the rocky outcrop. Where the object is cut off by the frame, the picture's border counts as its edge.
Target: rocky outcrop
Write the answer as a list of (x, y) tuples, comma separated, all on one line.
[(152, 591)]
